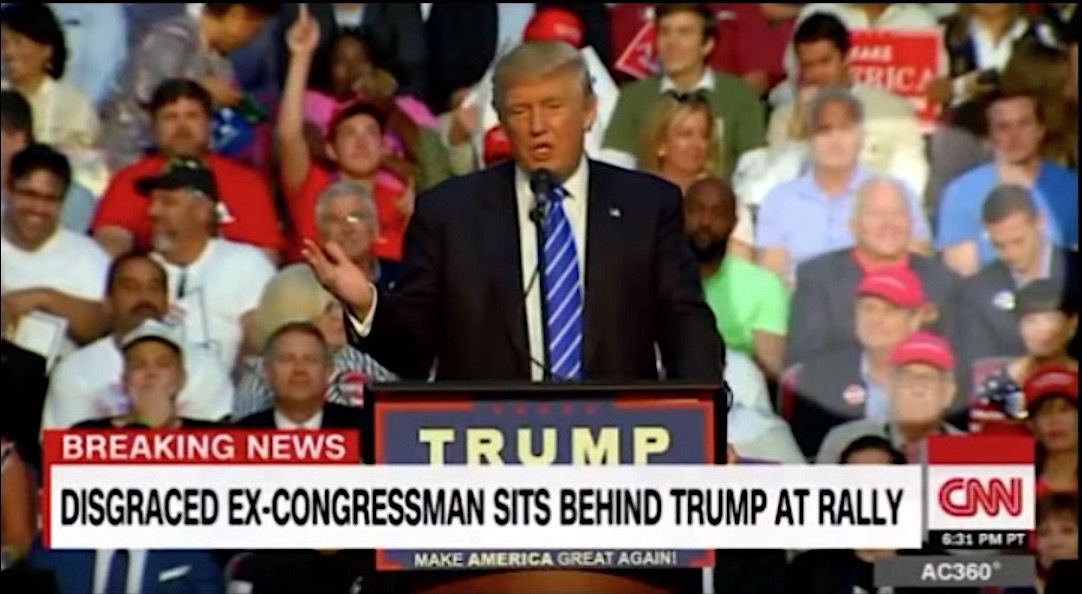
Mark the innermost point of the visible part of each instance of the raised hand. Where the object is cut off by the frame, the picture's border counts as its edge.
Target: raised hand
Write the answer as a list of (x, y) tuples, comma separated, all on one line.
[(303, 35), (408, 200), (339, 275)]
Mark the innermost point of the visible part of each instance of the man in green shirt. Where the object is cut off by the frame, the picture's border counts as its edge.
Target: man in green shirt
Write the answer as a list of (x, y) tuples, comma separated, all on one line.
[(750, 304), (685, 38)]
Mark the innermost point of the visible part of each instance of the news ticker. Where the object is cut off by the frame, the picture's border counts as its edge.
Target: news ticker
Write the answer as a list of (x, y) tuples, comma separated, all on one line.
[(280, 489)]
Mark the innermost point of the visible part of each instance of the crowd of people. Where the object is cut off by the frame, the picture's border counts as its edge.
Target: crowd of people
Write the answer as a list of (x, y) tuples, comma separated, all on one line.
[(875, 281)]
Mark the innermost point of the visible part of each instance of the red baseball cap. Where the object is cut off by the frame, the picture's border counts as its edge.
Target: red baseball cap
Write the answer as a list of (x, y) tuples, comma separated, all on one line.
[(497, 147), (1048, 382), (897, 285), (554, 24), (923, 347)]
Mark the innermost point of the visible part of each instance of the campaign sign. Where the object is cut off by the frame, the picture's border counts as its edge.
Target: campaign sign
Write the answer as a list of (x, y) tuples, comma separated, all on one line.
[(582, 426), (900, 61), (639, 58)]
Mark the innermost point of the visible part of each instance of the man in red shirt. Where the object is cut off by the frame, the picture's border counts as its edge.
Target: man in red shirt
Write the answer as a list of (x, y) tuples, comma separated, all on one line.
[(181, 112), (354, 145)]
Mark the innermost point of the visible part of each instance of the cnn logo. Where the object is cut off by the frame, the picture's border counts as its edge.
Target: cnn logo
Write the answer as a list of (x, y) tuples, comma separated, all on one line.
[(980, 497), (962, 497)]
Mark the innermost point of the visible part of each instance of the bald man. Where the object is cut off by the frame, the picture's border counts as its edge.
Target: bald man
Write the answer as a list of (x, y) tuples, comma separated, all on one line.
[(750, 304), (882, 227)]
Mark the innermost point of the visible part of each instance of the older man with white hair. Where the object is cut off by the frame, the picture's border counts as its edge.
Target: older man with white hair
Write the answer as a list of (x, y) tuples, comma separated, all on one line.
[(346, 215), (882, 227), (809, 216)]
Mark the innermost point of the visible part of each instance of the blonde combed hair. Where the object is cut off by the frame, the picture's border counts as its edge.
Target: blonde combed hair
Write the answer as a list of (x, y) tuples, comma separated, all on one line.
[(538, 59)]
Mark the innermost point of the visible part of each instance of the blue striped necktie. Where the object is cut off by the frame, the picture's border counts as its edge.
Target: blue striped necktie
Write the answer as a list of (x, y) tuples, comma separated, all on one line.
[(563, 293)]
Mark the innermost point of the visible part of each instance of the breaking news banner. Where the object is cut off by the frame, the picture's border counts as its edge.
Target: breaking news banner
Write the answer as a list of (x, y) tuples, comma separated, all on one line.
[(670, 426), (291, 490), (981, 491)]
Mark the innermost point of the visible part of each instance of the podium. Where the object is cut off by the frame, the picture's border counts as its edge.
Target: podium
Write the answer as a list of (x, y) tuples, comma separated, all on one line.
[(585, 423)]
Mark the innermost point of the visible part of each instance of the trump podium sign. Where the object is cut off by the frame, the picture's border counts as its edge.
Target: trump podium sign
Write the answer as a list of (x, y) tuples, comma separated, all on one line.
[(540, 427)]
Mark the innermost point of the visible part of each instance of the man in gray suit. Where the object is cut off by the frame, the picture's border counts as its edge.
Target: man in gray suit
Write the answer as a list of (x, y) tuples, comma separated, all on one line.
[(989, 325), (821, 316)]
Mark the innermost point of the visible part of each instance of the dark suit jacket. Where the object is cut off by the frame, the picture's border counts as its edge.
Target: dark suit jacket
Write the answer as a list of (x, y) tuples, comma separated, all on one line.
[(25, 384), (459, 297), (335, 416), (819, 405), (163, 572), (991, 330), (822, 313)]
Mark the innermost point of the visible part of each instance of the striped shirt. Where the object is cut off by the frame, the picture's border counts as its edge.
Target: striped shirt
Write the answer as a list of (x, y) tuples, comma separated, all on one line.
[(352, 371)]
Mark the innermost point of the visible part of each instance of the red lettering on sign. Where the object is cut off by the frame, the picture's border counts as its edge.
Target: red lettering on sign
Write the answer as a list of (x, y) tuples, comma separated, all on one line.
[(962, 496)]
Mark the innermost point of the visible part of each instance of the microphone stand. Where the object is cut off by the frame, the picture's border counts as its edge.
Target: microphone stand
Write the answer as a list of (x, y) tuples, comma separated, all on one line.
[(537, 215), (541, 182)]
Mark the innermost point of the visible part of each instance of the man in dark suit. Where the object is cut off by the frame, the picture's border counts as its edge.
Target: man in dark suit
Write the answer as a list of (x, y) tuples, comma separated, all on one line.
[(611, 282), (25, 384), (472, 300), (989, 325), (298, 366), (850, 383), (821, 317)]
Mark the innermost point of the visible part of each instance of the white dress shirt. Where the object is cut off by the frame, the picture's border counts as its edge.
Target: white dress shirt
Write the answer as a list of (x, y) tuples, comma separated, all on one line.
[(575, 208), (283, 422), (137, 562), (705, 82)]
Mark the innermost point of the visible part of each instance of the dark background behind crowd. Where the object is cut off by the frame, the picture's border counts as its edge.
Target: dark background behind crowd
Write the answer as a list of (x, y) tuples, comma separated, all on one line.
[(876, 279)]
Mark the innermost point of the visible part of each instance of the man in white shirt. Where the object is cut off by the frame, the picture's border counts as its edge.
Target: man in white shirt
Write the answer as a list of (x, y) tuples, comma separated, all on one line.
[(86, 384), (298, 365), (892, 139), (214, 284), (44, 268)]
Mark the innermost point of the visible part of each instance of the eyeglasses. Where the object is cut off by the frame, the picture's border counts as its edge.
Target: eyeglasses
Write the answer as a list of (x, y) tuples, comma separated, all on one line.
[(349, 219)]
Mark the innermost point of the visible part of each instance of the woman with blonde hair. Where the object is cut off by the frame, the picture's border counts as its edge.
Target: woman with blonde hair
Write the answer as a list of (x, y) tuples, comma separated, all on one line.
[(680, 143), (294, 295)]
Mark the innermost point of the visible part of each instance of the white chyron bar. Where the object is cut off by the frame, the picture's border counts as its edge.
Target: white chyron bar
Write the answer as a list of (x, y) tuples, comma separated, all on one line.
[(334, 506)]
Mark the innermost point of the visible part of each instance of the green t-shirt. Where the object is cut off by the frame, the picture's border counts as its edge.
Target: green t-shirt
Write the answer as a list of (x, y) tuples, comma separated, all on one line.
[(740, 115), (744, 298)]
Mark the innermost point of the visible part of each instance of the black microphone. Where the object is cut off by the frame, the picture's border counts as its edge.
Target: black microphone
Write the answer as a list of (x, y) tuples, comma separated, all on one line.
[(541, 182)]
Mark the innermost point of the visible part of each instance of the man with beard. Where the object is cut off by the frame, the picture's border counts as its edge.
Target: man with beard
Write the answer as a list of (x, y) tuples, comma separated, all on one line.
[(750, 305), (181, 111), (86, 384), (214, 284)]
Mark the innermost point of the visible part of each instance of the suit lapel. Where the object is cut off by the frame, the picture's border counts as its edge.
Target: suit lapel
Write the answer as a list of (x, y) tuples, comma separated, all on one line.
[(503, 253), (602, 232)]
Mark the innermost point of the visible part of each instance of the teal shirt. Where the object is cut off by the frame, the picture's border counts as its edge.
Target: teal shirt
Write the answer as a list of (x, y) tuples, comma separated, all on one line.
[(746, 298), (743, 120)]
